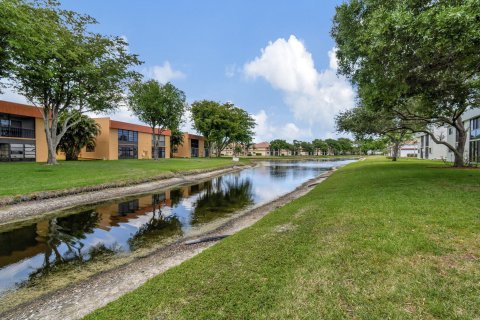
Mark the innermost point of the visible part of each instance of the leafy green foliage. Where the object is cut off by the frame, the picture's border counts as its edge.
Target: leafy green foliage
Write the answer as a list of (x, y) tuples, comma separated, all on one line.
[(277, 145), (82, 133), (159, 106), (222, 124), (57, 64), (417, 60)]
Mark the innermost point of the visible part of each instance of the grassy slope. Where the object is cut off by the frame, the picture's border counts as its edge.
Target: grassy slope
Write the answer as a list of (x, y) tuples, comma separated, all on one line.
[(377, 240), (23, 178)]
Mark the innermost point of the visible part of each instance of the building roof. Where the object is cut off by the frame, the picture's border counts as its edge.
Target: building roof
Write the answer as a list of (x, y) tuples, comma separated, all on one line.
[(20, 109), (114, 124), (195, 136), (261, 145)]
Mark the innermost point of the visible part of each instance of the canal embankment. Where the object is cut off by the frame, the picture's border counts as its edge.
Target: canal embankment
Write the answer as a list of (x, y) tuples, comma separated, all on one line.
[(78, 299), (50, 202)]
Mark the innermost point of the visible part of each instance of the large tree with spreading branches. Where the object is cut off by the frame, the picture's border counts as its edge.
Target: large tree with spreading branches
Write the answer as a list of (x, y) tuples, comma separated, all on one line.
[(417, 60), (61, 67), (159, 106)]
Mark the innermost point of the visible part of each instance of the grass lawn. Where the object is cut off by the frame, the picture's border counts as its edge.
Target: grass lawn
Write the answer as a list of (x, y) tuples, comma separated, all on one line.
[(377, 240), (24, 178)]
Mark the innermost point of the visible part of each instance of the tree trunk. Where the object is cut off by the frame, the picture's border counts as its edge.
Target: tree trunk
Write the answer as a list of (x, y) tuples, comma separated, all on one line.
[(51, 140), (462, 139), (72, 155), (396, 147), (155, 145)]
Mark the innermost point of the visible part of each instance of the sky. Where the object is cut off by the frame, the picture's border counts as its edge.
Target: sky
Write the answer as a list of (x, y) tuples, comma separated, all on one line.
[(275, 59)]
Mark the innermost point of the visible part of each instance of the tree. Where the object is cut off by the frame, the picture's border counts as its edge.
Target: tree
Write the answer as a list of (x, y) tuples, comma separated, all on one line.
[(176, 139), (81, 134), (416, 59), (61, 67), (277, 145), (364, 123), (345, 145), (365, 145), (333, 146), (321, 146), (159, 106), (222, 124), (307, 147)]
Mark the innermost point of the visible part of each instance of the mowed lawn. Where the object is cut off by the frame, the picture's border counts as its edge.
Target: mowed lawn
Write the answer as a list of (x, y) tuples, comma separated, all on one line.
[(24, 178), (377, 240)]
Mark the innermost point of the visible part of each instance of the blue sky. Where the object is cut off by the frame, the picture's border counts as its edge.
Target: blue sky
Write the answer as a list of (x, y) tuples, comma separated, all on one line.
[(273, 58)]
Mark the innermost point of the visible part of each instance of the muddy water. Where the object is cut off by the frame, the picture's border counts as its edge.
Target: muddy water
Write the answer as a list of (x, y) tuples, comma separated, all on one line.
[(121, 227)]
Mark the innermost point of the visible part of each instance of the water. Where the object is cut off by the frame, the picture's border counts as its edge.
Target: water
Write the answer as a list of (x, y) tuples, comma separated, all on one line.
[(123, 226)]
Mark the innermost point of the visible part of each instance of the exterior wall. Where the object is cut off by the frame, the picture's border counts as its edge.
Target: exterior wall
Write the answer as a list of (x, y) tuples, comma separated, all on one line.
[(113, 145), (40, 141), (167, 147), (435, 151), (144, 145), (449, 134), (183, 150), (201, 148), (101, 151)]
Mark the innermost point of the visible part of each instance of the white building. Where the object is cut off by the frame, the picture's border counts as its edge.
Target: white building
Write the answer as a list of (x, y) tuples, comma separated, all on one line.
[(427, 149)]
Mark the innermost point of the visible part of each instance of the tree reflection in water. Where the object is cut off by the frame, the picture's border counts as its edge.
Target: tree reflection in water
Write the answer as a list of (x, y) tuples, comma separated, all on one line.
[(221, 197), (158, 226)]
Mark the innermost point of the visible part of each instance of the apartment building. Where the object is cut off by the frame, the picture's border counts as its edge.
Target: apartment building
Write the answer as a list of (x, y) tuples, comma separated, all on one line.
[(22, 134), (122, 140), (427, 149), (22, 137), (193, 146)]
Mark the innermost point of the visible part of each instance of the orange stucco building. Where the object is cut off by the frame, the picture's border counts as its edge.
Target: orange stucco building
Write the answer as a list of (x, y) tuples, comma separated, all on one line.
[(123, 140), (193, 146), (22, 137)]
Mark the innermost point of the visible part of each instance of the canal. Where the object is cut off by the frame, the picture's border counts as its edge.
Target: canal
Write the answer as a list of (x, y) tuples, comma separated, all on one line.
[(116, 229)]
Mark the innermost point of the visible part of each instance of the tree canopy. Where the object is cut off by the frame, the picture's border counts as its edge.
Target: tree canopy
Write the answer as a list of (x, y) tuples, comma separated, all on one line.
[(82, 134), (222, 124), (60, 66), (159, 106), (416, 60)]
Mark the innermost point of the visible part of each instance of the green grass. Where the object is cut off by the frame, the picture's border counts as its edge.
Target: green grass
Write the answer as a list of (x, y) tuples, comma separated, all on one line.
[(377, 240), (25, 178)]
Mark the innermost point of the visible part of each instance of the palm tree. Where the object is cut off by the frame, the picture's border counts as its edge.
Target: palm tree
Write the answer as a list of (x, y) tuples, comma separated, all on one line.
[(82, 134)]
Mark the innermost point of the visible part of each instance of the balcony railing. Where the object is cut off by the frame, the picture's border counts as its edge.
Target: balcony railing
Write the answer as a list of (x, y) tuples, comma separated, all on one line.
[(17, 132)]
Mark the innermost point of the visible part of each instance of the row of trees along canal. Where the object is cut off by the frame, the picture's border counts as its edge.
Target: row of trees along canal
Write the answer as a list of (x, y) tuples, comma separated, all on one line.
[(49, 56), (340, 146), (415, 64)]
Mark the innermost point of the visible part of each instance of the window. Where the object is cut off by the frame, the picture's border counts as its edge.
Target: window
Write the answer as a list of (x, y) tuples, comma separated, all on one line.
[(450, 131), (475, 128), (127, 152), (127, 135), (17, 152), (90, 148), (474, 151), (160, 140), (30, 151)]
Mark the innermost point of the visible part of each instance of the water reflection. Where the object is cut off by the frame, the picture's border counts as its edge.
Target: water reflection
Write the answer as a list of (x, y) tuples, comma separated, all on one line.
[(134, 223)]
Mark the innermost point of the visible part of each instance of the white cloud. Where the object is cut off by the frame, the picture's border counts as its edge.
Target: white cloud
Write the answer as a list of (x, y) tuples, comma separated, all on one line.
[(266, 131), (314, 97), (231, 70), (164, 73), (10, 95)]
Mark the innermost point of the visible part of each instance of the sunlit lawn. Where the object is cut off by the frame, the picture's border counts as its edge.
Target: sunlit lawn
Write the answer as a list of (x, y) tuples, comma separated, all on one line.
[(377, 240), (24, 178)]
